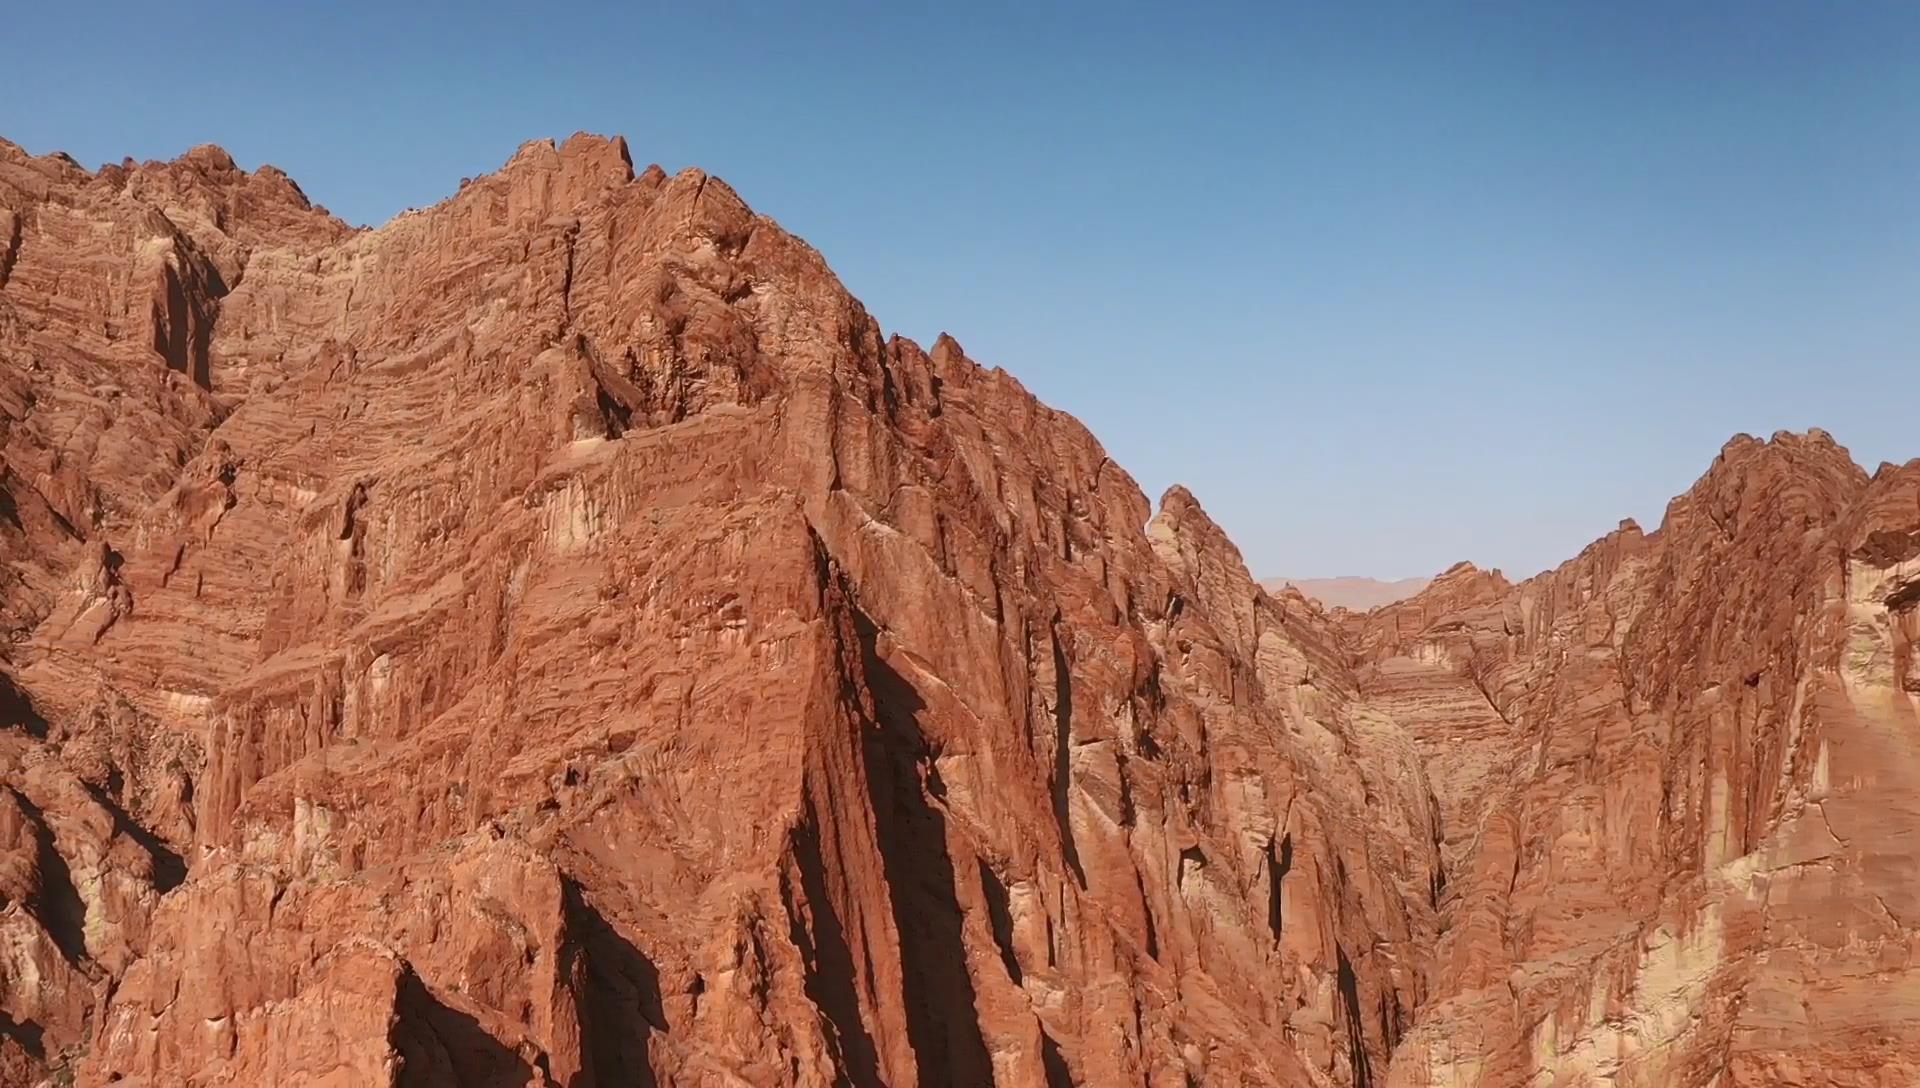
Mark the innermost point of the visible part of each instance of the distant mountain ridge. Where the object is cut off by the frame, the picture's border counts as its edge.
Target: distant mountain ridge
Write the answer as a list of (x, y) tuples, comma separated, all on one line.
[(1351, 591)]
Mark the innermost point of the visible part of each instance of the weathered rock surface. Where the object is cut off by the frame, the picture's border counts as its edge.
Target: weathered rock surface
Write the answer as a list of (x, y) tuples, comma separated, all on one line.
[(1679, 786), (557, 639)]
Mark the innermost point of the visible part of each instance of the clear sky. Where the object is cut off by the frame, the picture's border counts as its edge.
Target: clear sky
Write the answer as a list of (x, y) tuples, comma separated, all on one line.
[(1387, 285)]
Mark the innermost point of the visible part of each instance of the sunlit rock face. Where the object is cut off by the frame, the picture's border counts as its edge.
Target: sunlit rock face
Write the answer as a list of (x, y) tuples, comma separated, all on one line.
[(557, 639), (1679, 786)]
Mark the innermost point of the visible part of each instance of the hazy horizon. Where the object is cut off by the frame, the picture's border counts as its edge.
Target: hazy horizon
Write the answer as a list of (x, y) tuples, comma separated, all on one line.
[(1387, 289)]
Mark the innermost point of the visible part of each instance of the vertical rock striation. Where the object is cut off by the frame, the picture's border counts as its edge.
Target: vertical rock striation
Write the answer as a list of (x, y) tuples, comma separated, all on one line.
[(556, 638), (1677, 778)]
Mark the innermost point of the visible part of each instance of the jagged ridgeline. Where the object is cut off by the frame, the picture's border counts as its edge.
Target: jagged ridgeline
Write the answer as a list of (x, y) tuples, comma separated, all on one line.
[(556, 638)]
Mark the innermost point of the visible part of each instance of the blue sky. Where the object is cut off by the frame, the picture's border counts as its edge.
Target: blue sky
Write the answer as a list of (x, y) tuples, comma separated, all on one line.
[(1387, 285)]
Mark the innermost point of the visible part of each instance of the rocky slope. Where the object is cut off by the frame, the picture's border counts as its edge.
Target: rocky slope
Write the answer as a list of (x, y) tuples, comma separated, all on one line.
[(1679, 786), (557, 639)]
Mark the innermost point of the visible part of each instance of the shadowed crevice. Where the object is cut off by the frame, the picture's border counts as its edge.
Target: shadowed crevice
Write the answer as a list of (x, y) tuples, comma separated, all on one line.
[(1063, 754), (57, 903), (1356, 1039), (1146, 916), (620, 1006), (943, 1022), (1053, 1064), (1278, 866), (443, 1047), (1904, 595), (169, 868), (1393, 1019), (1000, 916), (16, 709), (30, 1035), (832, 979)]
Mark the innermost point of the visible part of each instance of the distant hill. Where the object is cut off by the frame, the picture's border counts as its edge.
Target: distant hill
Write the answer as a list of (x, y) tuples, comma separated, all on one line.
[(1354, 592)]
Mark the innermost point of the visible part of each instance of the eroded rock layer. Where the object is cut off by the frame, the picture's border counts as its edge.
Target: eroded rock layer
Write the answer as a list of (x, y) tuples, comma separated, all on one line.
[(557, 639), (1679, 780)]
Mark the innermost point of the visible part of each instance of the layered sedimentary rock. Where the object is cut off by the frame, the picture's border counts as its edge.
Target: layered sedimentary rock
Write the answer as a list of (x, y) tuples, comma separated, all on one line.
[(1679, 786), (557, 639)]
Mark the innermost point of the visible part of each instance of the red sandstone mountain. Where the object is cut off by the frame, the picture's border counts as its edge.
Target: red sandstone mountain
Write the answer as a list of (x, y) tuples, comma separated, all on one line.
[(1352, 592), (556, 639)]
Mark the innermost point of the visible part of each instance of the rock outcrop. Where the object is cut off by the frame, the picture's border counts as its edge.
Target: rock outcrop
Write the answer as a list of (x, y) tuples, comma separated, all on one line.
[(1677, 779), (557, 639)]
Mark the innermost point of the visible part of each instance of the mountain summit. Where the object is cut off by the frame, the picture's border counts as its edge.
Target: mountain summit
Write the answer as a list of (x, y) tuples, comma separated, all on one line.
[(555, 638)]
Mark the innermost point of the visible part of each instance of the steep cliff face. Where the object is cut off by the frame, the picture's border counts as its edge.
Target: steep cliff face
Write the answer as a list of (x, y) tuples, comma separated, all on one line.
[(557, 639), (1677, 783)]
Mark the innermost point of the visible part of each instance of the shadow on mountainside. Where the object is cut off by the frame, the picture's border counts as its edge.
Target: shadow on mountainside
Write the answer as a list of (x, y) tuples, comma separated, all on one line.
[(621, 1004), (832, 980), (942, 1021), (441, 1046), (17, 712), (57, 904)]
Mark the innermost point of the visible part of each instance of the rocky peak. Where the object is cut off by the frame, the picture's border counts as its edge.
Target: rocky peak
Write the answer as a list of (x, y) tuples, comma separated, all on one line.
[(557, 638)]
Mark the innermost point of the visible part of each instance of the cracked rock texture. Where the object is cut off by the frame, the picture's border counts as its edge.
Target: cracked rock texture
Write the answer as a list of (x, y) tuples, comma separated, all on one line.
[(557, 639)]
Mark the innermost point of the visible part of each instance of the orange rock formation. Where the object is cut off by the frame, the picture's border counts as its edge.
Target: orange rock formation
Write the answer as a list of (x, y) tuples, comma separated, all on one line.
[(557, 639)]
